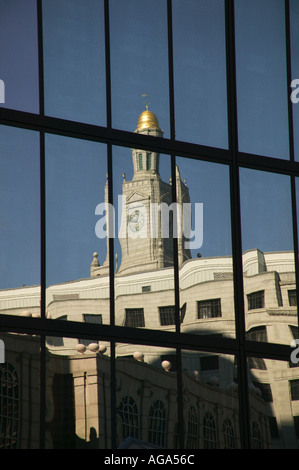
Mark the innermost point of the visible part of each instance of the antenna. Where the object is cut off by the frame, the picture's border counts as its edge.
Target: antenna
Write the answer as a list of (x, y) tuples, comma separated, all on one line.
[(144, 96)]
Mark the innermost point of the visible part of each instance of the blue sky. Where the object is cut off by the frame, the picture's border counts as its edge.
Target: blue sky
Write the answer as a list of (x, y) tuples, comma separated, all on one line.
[(75, 90)]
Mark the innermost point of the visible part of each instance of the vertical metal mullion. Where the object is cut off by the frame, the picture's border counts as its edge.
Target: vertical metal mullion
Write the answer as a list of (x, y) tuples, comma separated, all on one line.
[(43, 294), (175, 240), (113, 395), (170, 70), (291, 144), (42, 228), (289, 78), (108, 64), (111, 240), (236, 224)]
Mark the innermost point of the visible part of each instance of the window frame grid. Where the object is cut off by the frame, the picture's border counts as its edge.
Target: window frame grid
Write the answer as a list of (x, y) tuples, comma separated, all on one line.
[(231, 157)]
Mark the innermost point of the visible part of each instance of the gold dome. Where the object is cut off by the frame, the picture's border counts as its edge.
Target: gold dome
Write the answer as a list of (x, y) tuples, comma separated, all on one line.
[(147, 119)]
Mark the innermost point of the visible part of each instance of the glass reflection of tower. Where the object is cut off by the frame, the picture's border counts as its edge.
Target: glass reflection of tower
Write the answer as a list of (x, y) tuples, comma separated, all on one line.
[(144, 245)]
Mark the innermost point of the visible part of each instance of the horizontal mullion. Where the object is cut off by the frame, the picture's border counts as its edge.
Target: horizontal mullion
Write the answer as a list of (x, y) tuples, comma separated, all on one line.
[(262, 163), (122, 138), (113, 136), (116, 137), (120, 334), (70, 329), (268, 350)]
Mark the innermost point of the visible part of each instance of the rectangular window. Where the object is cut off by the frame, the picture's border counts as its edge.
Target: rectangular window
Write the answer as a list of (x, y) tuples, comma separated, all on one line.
[(256, 300), (296, 424), (294, 388), (134, 317), (140, 161), (146, 288), (56, 340), (259, 333), (265, 390), (148, 161), (167, 315), (294, 331), (209, 308), (93, 318), (292, 298), (274, 432)]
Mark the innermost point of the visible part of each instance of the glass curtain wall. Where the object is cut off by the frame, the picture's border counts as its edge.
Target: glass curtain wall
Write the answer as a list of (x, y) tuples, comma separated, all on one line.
[(149, 235)]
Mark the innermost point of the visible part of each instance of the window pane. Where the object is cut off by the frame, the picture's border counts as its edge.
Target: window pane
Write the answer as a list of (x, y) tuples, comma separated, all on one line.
[(139, 61), (268, 256), (206, 275), (274, 421), (262, 99), (199, 57), (77, 262), (74, 60), (19, 87), (210, 384), (20, 392), (78, 412), (20, 222), (144, 273), (146, 397)]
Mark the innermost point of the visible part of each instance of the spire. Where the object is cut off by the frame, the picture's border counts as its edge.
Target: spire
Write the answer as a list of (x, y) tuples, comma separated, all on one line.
[(95, 262)]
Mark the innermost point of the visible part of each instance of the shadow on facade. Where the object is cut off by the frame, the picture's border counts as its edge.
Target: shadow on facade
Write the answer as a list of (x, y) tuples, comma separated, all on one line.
[(78, 399)]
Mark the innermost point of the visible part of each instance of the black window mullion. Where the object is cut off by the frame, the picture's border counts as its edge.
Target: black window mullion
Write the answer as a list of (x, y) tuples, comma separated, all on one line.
[(291, 142), (236, 223), (111, 240), (175, 240), (42, 228)]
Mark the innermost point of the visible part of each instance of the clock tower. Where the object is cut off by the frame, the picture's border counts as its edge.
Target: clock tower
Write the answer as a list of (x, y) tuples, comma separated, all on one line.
[(146, 232), (147, 229)]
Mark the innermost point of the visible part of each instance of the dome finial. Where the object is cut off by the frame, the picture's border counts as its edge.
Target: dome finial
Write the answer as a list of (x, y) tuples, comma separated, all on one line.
[(144, 96)]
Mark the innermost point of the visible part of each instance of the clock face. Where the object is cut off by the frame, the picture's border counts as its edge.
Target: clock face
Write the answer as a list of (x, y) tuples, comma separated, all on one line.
[(136, 220)]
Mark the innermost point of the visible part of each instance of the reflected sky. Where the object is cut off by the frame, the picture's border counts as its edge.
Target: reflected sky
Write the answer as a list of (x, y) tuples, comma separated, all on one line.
[(261, 77), (75, 180), (74, 60), (18, 46), (139, 61), (266, 212), (19, 207), (200, 72)]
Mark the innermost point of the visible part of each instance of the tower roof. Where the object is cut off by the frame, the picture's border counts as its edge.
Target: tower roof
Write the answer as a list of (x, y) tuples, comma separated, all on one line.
[(147, 119)]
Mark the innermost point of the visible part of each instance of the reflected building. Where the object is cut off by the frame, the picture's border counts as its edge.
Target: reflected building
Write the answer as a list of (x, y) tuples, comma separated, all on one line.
[(78, 371)]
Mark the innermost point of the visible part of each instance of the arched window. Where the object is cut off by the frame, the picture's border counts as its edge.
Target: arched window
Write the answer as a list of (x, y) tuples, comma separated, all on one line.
[(192, 438), (140, 161), (229, 435), (256, 439), (157, 424), (209, 432), (9, 407), (129, 416)]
